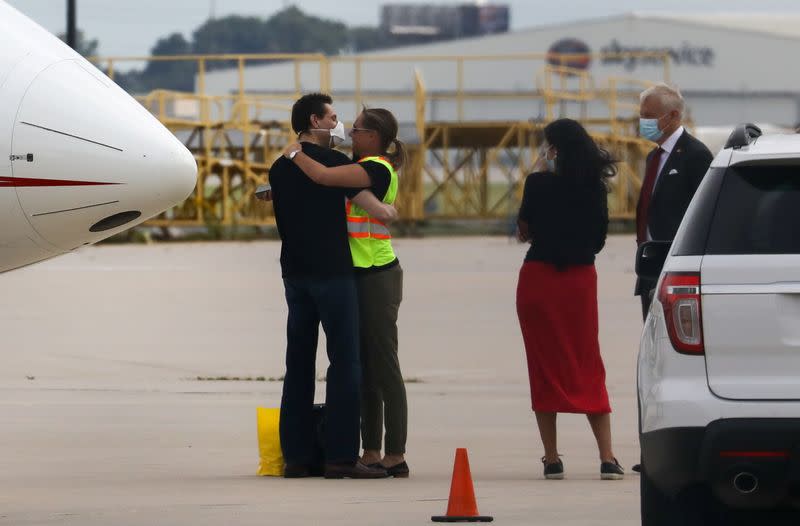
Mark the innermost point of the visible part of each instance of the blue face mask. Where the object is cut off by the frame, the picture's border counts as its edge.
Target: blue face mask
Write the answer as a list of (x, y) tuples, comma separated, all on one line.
[(648, 129)]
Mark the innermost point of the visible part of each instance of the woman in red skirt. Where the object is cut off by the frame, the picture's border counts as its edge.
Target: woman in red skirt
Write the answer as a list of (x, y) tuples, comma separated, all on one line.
[(564, 215)]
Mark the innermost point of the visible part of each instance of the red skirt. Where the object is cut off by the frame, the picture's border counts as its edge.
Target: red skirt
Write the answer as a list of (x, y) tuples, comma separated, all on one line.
[(558, 316)]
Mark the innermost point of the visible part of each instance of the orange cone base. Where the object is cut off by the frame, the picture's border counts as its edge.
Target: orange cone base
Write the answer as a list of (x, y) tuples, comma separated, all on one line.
[(474, 518)]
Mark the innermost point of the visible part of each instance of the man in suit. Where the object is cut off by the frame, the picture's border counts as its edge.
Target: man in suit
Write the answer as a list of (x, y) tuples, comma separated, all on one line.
[(673, 172)]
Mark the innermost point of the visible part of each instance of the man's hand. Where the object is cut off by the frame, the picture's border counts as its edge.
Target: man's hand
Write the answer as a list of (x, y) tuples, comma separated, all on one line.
[(376, 209), (293, 147), (541, 164), (388, 214), (264, 192), (523, 234)]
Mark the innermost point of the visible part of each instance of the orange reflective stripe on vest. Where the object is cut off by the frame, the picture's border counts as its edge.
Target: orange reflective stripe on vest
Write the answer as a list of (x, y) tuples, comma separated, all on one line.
[(379, 230)]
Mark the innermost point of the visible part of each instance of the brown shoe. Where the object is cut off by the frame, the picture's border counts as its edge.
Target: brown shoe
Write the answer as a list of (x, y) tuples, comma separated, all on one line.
[(357, 470)]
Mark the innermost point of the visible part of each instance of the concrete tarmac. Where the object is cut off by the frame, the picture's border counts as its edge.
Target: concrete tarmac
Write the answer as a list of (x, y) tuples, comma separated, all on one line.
[(104, 420)]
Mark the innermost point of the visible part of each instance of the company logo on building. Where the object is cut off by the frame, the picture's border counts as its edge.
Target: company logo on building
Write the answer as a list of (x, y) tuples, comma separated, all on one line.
[(635, 56), (571, 53)]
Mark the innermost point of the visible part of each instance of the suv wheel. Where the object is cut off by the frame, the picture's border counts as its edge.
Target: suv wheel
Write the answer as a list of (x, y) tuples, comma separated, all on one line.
[(694, 506), (656, 508)]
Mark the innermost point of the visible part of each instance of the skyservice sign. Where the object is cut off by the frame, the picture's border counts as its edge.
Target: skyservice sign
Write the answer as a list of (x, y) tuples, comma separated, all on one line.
[(575, 53), (684, 55)]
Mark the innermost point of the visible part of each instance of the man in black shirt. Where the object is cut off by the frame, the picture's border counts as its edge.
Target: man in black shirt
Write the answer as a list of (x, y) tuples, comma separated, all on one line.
[(318, 278)]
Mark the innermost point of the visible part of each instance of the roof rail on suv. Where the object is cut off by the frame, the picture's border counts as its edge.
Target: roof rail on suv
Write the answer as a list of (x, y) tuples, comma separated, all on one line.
[(743, 135)]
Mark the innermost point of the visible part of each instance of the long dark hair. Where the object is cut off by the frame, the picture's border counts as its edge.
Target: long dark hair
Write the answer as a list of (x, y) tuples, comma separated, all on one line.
[(385, 124), (579, 157)]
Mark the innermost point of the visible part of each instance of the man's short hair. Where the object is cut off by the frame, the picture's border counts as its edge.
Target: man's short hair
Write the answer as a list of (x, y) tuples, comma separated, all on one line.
[(305, 107), (669, 96)]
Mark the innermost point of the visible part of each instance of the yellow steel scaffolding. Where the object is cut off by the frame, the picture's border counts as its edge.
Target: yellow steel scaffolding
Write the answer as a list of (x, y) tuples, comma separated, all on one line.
[(456, 169)]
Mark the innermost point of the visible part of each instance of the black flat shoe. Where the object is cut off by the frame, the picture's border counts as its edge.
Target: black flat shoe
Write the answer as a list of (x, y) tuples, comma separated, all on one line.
[(611, 471), (554, 470), (398, 471)]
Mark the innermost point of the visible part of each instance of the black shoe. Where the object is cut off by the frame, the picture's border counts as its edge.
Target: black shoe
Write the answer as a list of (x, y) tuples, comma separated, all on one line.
[(355, 470), (398, 471), (554, 470), (637, 468), (611, 471), (296, 471)]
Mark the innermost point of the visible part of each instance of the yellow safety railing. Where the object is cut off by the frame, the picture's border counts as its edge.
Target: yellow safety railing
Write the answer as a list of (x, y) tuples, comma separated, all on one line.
[(457, 168)]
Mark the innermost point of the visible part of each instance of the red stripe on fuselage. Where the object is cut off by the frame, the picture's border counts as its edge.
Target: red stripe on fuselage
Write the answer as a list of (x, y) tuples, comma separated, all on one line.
[(21, 181)]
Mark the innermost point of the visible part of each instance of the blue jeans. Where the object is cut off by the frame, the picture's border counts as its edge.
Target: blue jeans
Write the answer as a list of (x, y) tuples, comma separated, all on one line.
[(334, 303)]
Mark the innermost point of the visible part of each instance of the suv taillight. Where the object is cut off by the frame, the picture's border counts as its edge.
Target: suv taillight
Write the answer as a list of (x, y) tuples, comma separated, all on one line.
[(680, 296)]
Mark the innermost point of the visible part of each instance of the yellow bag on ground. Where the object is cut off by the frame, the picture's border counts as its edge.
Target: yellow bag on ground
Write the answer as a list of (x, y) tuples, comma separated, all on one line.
[(269, 442)]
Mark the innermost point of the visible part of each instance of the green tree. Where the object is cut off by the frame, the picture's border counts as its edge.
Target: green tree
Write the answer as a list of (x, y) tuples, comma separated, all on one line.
[(287, 31), (292, 31), (231, 34), (174, 75), (85, 47), (171, 75), (366, 38)]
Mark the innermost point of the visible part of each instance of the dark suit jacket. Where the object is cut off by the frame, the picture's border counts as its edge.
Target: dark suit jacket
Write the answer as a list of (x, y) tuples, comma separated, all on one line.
[(675, 187)]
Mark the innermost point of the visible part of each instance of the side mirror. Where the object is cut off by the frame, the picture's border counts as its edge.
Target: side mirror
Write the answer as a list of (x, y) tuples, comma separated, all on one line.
[(650, 258)]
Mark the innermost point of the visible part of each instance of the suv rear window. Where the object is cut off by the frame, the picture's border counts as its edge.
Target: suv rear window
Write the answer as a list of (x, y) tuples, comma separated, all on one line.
[(758, 211), (693, 233)]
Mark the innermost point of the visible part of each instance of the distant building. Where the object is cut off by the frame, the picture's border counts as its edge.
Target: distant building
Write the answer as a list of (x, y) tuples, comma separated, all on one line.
[(415, 23), (731, 68)]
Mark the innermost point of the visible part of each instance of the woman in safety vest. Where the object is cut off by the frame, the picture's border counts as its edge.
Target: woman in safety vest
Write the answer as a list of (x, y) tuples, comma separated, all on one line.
[(379, 279)]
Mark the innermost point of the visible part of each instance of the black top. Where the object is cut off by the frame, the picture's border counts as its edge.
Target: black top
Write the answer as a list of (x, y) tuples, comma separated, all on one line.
[(380, 179), (567, 219), (310, 218), (379, 176)]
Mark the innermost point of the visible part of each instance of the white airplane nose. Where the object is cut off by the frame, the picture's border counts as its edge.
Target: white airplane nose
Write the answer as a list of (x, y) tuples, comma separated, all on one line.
[(175, 173), (90, 161)]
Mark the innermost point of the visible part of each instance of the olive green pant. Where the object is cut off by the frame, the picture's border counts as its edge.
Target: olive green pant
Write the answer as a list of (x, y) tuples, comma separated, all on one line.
[(383, 393)]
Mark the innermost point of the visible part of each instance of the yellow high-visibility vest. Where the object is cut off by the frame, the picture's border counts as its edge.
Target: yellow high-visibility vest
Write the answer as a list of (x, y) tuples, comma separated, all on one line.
[(370, 239)]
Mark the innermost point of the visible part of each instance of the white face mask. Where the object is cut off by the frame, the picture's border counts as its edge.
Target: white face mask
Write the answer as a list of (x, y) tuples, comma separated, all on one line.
[(337, 133)]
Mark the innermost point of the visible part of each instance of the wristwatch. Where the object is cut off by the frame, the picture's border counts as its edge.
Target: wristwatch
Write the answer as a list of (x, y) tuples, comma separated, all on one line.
[(293, 153)]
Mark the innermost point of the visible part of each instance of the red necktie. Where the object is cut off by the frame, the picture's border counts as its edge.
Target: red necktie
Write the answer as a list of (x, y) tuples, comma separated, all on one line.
[(643, 207)]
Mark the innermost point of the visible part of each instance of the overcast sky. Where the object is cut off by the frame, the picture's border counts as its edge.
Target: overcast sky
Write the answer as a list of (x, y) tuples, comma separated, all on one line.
[(131, 27)]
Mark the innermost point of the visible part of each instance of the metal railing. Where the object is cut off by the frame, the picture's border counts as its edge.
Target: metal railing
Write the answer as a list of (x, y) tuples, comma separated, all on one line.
[(458, 168)]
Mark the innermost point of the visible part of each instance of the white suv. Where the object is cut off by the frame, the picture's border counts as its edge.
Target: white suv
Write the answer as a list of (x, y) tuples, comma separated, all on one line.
[(719, 361)]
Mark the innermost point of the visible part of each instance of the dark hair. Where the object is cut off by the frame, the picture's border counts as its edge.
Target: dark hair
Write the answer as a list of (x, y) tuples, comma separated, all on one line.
[(305, 107), (385, 124), (578, 157)]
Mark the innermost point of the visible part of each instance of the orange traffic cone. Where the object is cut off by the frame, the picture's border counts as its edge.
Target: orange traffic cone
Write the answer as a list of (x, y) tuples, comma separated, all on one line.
[(461, 507)]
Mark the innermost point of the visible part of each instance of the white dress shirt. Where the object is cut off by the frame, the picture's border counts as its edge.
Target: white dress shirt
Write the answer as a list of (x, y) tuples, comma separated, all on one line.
[(668, 146)]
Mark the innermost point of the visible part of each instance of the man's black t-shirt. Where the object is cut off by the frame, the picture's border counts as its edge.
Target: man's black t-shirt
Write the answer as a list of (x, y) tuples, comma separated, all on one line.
[(310, 218)]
